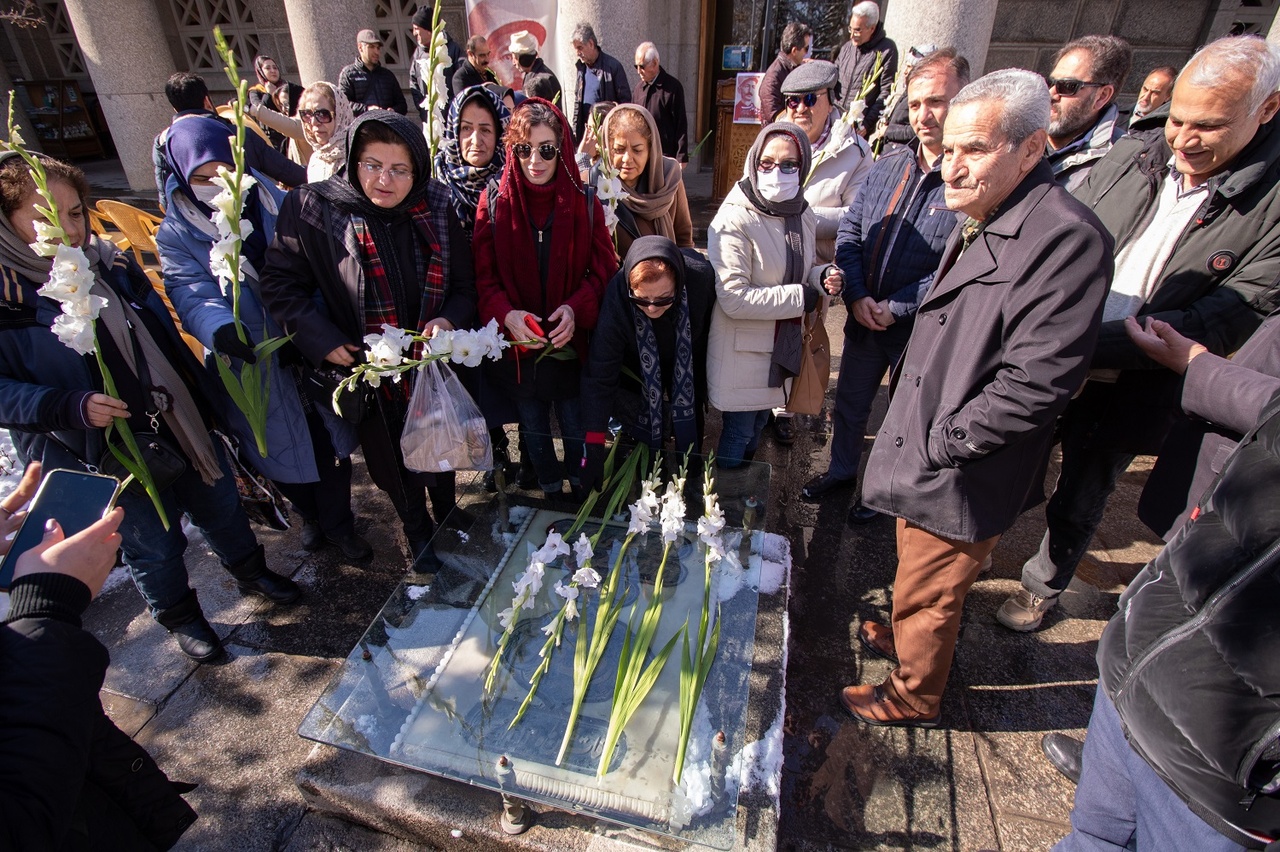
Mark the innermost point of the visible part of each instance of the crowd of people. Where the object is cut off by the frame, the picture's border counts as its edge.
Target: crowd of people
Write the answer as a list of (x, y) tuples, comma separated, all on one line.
[(1029, 264)]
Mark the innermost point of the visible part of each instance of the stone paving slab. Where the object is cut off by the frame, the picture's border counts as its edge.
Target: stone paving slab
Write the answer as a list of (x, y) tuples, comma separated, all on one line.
[(231, 729), (320, 833)]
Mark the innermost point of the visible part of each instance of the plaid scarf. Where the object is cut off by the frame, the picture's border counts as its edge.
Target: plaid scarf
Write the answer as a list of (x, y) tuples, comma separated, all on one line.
[(466, 181), (384, 295)]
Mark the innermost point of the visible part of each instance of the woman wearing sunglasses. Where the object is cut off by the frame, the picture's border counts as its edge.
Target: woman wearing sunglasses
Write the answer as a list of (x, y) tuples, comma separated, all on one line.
[(655, 202), (648, 361), (543, 254), (379, 244), (317, 133), (761, 244)]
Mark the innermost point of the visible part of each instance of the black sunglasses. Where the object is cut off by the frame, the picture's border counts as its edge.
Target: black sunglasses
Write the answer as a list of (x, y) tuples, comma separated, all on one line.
[(546, 151), (1068, 87), (794, 101), (323, 116), (653, 303), (787, 167)]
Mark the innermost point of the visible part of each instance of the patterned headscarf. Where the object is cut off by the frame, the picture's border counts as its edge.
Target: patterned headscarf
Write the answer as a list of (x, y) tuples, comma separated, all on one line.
[(464, 180)]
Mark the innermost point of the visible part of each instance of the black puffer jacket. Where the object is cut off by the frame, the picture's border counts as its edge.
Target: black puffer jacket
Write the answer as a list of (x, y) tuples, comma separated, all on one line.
[(1190, 659), (69, 778)]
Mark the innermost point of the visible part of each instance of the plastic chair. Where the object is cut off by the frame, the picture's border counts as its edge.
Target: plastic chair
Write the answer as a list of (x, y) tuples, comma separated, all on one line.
[(139, 228), (104, 227)]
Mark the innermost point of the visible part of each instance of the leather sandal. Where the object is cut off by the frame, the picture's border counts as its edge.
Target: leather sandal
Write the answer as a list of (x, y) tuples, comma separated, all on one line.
[(875, 706), (878, 640)]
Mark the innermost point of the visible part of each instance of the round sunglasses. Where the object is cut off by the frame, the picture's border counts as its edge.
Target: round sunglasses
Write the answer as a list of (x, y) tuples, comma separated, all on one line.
[(546, 151), (320, 116), (794, 101)]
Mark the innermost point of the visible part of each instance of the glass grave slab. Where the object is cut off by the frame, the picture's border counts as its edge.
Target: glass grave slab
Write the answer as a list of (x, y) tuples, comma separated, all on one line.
[(412, 692)]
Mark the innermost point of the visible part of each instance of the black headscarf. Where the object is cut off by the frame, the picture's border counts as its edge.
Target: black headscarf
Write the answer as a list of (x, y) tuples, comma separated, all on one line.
[(683, 395), (344, 189), (790, 210)]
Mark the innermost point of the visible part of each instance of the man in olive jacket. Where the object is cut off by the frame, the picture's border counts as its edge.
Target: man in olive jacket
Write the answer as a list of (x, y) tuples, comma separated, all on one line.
[(1196, 216), (1001, 341)]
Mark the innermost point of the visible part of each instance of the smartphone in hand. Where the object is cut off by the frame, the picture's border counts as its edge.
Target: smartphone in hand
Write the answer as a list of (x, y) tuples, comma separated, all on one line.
[(75, 499)]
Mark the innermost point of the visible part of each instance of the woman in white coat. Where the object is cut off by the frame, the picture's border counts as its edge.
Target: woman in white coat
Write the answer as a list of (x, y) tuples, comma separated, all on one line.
[(761, 244)]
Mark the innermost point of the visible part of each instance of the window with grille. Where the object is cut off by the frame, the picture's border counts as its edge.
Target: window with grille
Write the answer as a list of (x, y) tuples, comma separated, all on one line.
[(394, 21), (63, 38), (196, 19)]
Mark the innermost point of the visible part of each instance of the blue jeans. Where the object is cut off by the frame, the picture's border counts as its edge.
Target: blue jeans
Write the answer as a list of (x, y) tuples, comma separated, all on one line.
[(867, 355), (1121, 803), (155, 557), (1089, 474), (739, 436), (535, 418)]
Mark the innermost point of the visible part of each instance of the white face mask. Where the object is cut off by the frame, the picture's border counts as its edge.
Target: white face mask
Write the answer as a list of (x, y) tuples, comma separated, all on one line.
[(206, 194), (774, 186)]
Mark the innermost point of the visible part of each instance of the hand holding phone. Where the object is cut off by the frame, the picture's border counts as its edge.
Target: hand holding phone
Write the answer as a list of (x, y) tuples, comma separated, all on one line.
[(11, 505), (89, 555), (75, 500)]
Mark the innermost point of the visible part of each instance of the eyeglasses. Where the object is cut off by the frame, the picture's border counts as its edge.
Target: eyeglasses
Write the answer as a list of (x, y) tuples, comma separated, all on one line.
[(1068, 88), (794, 101), (319, 116), (640, 66), (546, 151), (787, 167), (376, 170), (653, 303)]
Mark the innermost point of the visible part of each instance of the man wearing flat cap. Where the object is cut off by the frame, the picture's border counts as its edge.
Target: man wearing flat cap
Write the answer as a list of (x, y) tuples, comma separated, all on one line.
[(367, 83), (524, 52), (841, 157), (419, 67)]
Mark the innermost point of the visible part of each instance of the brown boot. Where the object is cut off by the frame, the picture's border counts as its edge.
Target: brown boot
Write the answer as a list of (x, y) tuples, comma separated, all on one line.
[(875, 705)]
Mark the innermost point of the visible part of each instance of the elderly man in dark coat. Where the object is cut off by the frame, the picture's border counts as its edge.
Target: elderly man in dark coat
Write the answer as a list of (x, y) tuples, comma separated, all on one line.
[(1196, 213), (1001, 341)]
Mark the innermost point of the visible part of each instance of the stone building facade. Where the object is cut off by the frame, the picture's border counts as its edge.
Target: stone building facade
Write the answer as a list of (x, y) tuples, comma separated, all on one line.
[(122, 51)]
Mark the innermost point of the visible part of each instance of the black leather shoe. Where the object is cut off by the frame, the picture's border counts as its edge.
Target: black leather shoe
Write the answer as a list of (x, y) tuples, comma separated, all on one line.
[(353, 547), (187, 625), (784, 430), (860, 514), (528, 478), (425, 560), (312, 536), (823, 483), (253, 577), (1064, 752)]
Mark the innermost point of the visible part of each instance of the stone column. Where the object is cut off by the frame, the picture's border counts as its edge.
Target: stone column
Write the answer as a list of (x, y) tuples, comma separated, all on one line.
[(129, 61), (1273, 35), (324, 35), (962, 24), (619, 27)]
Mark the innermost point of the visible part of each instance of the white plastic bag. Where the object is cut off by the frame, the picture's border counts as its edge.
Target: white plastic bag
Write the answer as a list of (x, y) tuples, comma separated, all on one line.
[(444, 429)]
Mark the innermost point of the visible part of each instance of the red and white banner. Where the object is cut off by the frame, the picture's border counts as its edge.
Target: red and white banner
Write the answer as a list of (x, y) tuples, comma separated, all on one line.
[(498, 20)]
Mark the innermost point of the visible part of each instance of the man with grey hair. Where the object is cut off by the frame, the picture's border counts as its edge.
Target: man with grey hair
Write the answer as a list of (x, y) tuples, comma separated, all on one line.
[(1196, 210), (1002, 339), (1084, 121), (867, 48), (663, 96), (600, 78)]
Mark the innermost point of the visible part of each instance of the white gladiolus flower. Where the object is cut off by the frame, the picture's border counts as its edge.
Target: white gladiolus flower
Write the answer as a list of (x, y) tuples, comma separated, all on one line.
[(586, 577), (855, 112), (490, 340), (639, 520), (70, 279), (554, 547), (582, 549), (466, 350), (401, 338), (710, 526), (440, 343), (530, 582), (672, 517), (46, 233), (507, 617), (570, 595), (75, 332), (220, 259), (382, 352)]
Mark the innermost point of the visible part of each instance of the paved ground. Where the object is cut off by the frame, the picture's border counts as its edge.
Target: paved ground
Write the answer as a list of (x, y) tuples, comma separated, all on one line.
[(977, 783)]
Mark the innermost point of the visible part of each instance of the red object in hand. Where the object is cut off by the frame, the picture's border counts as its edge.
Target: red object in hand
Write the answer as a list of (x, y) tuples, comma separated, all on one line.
[(534, 327)]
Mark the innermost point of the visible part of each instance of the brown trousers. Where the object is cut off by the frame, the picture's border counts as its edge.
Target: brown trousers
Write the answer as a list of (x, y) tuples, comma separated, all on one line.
[(934, 575)]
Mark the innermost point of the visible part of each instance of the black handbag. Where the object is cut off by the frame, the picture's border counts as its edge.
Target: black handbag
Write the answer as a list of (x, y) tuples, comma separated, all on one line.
[(165, 462), (354, 404)]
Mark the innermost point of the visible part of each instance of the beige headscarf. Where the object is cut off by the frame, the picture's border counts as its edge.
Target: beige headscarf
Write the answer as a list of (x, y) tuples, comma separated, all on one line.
[(326, 159), (654, 195)]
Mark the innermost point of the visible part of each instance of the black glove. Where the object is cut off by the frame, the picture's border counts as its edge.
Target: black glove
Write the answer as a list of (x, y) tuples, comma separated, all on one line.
[(813, 293), (226, 341), (592, 476)]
